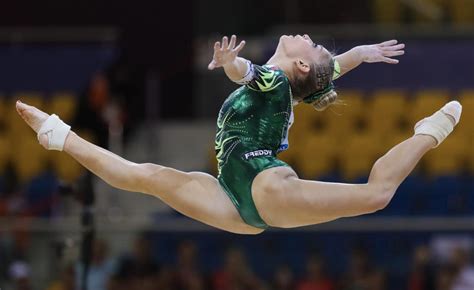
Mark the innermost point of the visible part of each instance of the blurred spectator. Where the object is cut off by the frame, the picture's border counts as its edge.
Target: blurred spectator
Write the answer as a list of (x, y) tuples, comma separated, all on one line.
[(91, 109), (236, 274), (422, 274), (188, 276), (66, 281), (100, 268), (378, 280), (20, 275), (139, 269), (444, 278), (283, 278), (316, 278), (12, 201), (464, 278), (358, 275)]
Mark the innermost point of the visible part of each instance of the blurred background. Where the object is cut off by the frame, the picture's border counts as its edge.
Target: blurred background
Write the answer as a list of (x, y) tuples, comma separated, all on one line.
[(132, 77)]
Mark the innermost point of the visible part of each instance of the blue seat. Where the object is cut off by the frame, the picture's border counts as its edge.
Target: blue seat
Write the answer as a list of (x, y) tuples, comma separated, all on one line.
[(446, 196)]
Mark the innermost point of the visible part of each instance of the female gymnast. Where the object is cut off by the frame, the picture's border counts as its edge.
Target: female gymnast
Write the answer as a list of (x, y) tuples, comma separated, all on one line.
[(255, 190)]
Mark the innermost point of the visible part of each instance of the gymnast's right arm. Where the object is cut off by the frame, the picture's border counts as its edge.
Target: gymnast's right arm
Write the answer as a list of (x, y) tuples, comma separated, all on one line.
[(225, 56)]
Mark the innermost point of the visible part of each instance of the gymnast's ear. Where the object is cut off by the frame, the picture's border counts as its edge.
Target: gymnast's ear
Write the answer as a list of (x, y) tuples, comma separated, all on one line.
[(302, 66)]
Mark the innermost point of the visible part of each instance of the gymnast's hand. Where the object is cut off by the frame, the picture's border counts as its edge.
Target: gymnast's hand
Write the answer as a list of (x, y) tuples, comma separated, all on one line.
[(381, 52), (225, 53)]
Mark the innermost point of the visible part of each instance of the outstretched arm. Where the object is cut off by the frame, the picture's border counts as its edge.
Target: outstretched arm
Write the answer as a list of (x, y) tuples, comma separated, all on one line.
[(381, 52), (225, 55)]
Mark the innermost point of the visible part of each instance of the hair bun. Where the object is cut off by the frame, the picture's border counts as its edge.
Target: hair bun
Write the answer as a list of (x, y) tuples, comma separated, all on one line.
[(325, 101)]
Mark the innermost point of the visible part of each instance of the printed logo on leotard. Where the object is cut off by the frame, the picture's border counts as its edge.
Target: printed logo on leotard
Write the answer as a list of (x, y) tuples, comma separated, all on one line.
[(257, 153)]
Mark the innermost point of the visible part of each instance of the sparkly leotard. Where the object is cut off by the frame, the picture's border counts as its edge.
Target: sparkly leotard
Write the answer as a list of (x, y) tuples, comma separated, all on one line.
[(252, 128)]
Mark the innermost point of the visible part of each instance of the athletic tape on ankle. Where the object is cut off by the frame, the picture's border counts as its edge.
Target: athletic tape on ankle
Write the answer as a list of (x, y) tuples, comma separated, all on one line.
[(437, 125), (56, 130)]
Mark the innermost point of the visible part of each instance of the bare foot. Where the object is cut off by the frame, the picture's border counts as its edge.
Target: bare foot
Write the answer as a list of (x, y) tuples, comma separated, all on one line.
[(34, 118)]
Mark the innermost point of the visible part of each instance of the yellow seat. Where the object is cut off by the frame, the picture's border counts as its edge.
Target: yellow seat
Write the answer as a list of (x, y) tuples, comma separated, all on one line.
[(461, 11), (64, 105), (212, 160), (31, 98), (14, 124), (466, 124), (470, 153), (307, 119), (425, 103), (5, 152), (316, 157), (449, 157), (347, 117), (433, 13), (29, 158), (358, 155), (387, 11), (387, 112), (66, 167)]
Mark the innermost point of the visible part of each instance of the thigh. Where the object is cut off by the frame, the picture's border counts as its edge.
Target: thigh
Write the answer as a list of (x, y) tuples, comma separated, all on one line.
[(284, 200), (199, 196)]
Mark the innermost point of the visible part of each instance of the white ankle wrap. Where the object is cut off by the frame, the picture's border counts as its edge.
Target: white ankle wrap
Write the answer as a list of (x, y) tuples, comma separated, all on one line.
[(439, 125), (56, 130)]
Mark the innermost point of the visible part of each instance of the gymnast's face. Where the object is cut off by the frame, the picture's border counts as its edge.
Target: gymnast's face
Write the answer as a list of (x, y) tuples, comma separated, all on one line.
[(301, 47)]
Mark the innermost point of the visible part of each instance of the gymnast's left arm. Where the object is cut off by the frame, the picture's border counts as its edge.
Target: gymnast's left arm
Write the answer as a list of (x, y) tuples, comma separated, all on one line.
[(380, 52)]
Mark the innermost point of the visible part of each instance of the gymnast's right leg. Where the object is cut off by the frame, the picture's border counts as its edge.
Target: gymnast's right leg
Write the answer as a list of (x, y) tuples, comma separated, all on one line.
[(195, 194)]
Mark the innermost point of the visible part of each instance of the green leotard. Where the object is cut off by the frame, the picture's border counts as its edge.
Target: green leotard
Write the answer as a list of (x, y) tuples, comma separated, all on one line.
[(252, 128)]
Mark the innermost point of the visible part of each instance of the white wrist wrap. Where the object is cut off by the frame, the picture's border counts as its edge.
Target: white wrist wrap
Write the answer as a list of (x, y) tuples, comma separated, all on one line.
[(56, 130), (438, 125), (249, 75)]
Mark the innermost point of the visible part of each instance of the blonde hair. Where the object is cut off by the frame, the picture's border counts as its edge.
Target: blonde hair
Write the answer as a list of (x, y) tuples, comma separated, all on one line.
[(325, 101)]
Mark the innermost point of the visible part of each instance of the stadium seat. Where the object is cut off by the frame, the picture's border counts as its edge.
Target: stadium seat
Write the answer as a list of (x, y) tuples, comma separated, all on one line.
[(461, 11), (346, 117), (30, 98), (5, 152), (466, 125), (358, 154), (425, 103), (387, 11), (307, 119), (29, 158), (13, 122), (387, 111), (66, 167), (316, 156), (64, 105), (449, 157)]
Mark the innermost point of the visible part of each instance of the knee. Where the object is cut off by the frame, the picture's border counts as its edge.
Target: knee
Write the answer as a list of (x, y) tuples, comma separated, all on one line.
[(381, 195)]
